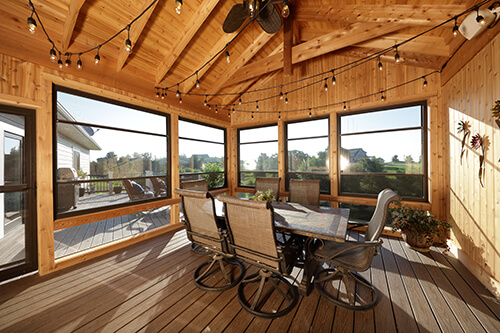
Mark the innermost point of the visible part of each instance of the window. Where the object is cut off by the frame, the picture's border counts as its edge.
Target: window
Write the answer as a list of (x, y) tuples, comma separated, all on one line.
[(202, 153), (108, 154), (307, 151), (258, 154), (383, 148)]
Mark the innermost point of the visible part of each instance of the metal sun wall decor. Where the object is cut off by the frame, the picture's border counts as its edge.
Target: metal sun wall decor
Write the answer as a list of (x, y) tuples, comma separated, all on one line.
[(463, 126), (477, 142)]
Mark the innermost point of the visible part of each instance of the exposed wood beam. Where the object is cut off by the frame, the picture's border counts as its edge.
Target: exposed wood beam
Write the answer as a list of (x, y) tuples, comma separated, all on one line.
[(408, 14), (135, 32), (357, 33), (245, 57), (69, 25), (244, 86), (251, 85), (185, 37), (287, 45), (219, 45), (424, 44)]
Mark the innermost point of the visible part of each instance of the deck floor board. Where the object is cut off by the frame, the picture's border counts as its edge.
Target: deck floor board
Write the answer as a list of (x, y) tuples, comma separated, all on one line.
[(149, 287)]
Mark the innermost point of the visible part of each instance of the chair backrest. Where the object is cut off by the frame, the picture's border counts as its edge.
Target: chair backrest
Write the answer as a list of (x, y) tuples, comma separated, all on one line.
[(377, 222), (159, 185), (132, 193), (195, 185), (304, 192), (263, 184), (251, 231), (199, 214)]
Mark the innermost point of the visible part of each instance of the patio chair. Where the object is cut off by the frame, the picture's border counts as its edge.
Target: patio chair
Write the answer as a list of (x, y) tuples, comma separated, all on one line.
[(159, 186), (136, 191), (203, 231), (304, 192), (351, 257), (263, 184), (252, 237), (195, 185)]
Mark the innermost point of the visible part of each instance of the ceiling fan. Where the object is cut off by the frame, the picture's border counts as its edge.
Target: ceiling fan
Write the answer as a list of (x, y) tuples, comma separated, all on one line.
[(264, 12)]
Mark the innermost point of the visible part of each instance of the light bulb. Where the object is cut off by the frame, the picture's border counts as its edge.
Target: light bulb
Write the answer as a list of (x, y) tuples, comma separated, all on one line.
[(178, 6), (79, 64), (53, 55), (380, 66), (31, 25), (97, 58), (60, 63), (286, 10), (128, 46), (228, 59)]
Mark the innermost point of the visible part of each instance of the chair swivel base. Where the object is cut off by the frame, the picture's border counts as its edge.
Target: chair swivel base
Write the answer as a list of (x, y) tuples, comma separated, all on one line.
[(327, 275), (203, 277), (259, 300), (199, 250)]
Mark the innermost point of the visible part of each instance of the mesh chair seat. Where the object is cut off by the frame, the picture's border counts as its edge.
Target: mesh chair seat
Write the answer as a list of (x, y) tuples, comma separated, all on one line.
[(203, 231), (304, 192), (252, 237), (351, 257)]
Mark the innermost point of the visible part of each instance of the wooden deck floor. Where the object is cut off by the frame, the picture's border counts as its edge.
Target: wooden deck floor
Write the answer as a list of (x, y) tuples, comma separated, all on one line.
[(82, 237), (148, 287)]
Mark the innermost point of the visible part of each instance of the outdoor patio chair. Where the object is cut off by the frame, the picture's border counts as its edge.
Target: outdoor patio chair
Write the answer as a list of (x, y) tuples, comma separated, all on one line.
[(252, 237), (349, 258), (263, 184), (159, 186), (304, 192), (136, 191), (203, 231), (195, 185)]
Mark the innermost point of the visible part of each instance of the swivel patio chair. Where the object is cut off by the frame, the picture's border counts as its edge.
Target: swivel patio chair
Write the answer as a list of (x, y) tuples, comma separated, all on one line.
[(136, 191), (195, 185), (304, 192), (159, 186), (252, 237), (351, 257), (263, 184), (203, 231)]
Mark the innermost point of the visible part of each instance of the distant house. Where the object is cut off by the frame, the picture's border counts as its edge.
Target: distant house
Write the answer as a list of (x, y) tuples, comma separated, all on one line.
[(353, 155)]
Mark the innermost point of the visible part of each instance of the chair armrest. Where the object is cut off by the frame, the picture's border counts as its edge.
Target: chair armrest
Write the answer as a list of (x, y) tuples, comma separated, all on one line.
[(342, 250)]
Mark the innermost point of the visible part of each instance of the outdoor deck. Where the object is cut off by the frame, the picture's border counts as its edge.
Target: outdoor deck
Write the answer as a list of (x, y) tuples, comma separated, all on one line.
[(148, 287)]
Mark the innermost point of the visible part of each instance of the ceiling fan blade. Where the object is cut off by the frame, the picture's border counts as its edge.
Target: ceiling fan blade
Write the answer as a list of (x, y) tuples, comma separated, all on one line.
[(235, 18), (269, 19)]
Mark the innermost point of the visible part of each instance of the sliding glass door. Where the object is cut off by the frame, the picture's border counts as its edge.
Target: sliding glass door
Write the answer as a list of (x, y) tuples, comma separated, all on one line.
[(17, 192)]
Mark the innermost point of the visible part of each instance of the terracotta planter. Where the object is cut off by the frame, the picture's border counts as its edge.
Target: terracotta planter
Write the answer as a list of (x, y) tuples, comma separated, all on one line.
[(117, 189), (417, 242)]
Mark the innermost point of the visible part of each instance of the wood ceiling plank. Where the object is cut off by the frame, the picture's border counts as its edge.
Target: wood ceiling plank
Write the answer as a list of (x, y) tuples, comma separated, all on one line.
[(244, 57), (69, 24), (287, 45), (219, 45), (185, 37), (424, 44), (336, 40), (135, 32), (424, 15)]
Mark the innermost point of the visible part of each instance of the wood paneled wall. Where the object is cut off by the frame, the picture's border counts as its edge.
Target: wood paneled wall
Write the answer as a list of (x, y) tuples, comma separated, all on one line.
[(474, 209)]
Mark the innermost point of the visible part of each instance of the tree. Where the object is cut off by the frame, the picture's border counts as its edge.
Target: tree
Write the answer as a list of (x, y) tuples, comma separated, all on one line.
[(213, 179), (395, 159)]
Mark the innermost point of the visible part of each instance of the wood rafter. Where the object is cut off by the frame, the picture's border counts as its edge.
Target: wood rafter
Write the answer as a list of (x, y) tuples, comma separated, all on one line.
[(244, 86), (287, 45), (430, 45), (185, 37), (424, 15), (135, 32), (336, 40), (219, 45), (245, 57), (69, 25)]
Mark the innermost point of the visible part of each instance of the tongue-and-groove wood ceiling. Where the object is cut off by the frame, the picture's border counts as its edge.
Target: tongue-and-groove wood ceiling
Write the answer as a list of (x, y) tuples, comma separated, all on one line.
[(168, 47)]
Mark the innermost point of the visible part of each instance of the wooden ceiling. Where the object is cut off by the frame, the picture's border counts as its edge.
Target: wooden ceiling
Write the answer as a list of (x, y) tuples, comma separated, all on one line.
[(168, 47)]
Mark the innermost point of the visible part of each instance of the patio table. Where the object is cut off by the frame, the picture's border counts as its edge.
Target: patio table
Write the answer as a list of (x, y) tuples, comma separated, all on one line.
[(323, 223)]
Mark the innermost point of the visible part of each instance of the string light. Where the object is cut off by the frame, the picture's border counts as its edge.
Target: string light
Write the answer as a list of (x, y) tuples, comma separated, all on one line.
[(79, 62), (67, 62), (180, 99), (239, 102), (163, 94), (333, 78), (31, 20), (480, 18), (177, 93), (279, 115), (53, 54), (425, 81), (197, 81), (310, 115), (286, 98), (228, 59), (157, 92), (234, 111), (252, 115), (216, 109), (455, 28), (97, 58), (326, 85), (382, 97), (281, 92), (209, 107), (396, 56), (59, 61), (229, 115), (205, 102), (345, 107), (257, 105), (178, 6), (128, 42), (380, 66), (286, 9)]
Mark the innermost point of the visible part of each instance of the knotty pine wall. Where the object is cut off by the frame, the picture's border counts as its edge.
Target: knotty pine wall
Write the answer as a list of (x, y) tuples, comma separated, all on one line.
[(475, 210), (28, 85)]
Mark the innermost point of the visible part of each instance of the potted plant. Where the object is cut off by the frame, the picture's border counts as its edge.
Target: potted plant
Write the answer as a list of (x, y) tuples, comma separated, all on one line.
[(264, 196), (81, 175), (419, 228), (495, 112), (117, 187)]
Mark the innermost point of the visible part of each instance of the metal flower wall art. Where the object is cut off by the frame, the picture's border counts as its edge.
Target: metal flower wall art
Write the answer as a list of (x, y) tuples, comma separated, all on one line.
[(476, 143), (463, 126)]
